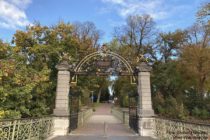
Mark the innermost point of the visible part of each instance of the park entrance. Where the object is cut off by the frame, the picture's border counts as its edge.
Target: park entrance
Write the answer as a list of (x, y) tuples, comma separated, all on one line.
[(103, 63)]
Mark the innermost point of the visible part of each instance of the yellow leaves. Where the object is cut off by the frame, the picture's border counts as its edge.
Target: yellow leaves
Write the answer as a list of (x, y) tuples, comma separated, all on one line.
[(41, 49), (2, 114), (40, 78), (5, 114), (195, 65), (6, 68), (3, 48), (19, 38), (18, 79), (195, 56), (37, 28), (63, 27), (16, 49)]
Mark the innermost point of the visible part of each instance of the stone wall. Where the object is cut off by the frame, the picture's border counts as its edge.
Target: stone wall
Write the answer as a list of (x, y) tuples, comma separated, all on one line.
[(121, 115), (83, 116), (177, 129), (61, 124)]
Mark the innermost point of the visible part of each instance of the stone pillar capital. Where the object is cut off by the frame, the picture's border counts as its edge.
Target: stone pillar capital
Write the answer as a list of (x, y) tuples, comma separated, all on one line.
[(63, 66), (143, 67)]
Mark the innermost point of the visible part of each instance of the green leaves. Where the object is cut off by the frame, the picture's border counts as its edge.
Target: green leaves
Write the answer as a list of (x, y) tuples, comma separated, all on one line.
[(9, 114), (27, 69)]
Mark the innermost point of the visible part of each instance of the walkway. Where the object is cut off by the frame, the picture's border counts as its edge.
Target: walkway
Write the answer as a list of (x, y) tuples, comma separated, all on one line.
[(94, 128)]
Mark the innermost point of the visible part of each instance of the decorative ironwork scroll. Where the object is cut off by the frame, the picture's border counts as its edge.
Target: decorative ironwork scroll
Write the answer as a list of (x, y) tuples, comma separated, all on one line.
[(26, 129), (103, 63)]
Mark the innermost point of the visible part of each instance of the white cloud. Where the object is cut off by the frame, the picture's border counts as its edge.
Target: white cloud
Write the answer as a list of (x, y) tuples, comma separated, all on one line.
[(155, 8), (20, 3), (167, 14), (12, 13)]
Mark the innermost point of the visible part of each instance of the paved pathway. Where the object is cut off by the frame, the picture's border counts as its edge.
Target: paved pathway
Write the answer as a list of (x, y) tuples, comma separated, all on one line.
[(95, 125), (94, 128)]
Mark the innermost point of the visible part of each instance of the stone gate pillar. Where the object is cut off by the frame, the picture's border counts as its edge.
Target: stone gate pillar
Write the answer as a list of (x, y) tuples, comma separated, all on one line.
[(61, 111), (145, 110)]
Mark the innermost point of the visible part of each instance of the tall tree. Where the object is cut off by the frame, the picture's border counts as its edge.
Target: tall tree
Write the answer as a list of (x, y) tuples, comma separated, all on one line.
[(195, 65), (169, 44), (88, 35), (199, 34), (204, 13), (137, 33)]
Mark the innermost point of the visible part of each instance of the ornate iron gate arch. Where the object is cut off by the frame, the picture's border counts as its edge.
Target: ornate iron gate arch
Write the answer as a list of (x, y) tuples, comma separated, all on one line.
[(109, 53), (104, 53)]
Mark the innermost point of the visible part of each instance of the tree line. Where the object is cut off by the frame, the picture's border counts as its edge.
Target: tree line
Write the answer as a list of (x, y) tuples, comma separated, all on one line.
[(180, 61)]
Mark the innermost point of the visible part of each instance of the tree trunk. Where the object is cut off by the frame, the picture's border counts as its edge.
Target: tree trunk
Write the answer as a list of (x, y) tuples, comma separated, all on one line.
[(99, 95)]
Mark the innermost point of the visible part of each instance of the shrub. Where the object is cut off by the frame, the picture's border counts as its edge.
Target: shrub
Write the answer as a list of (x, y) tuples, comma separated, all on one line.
[(10, 114)]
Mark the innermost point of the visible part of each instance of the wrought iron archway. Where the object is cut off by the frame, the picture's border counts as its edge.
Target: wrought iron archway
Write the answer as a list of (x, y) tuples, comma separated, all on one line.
[(105, 59)]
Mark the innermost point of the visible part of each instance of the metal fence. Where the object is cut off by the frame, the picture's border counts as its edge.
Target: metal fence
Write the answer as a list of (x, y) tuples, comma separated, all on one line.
[(26, 129), (166, 129), (133, 113)]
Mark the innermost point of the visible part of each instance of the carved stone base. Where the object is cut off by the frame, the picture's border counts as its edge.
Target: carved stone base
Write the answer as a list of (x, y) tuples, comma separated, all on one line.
[(146, 126), (61, 126)]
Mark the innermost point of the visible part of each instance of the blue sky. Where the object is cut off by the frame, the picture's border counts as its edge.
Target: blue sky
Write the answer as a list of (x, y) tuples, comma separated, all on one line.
[(106, 14)]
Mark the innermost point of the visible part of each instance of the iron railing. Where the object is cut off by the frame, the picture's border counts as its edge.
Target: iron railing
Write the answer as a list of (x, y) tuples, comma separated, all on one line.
[(26, 129), (166, 129), (133, 113)]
